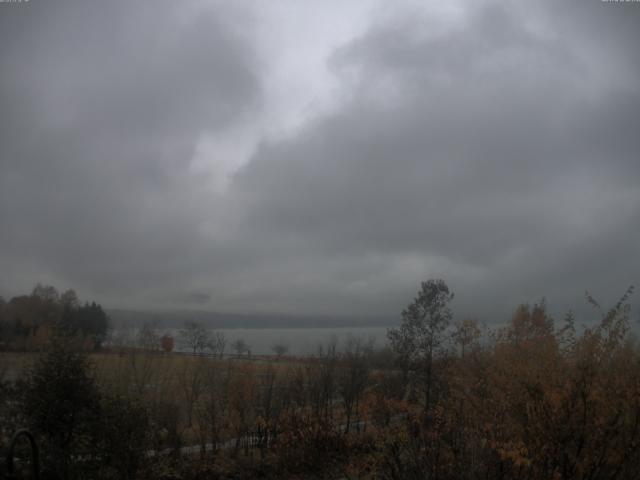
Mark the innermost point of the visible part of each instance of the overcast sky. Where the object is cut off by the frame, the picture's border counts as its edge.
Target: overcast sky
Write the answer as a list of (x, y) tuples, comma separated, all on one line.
[(320, 157)]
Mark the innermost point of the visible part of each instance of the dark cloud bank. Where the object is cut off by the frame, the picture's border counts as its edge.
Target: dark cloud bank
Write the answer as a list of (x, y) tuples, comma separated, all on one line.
[(500, 152)]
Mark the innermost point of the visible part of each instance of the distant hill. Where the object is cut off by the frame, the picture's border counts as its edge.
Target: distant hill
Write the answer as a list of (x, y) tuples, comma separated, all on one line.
[(175, 318)]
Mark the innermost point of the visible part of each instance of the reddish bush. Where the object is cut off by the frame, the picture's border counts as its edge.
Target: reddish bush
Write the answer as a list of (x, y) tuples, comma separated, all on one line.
[(167, 343)]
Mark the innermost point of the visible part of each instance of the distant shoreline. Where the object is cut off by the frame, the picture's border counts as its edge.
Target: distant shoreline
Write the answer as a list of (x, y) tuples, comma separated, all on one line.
[(175, 319)]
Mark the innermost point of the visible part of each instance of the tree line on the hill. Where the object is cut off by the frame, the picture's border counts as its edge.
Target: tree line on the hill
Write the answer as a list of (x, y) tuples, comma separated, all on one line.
[(29, 322), (450, 400)]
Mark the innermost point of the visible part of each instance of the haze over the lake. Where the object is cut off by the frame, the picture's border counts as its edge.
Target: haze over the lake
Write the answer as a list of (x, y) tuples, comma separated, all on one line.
[(323, 157)]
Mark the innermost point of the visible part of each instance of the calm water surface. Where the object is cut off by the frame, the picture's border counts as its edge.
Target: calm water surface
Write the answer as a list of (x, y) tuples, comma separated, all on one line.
[(301, 341)]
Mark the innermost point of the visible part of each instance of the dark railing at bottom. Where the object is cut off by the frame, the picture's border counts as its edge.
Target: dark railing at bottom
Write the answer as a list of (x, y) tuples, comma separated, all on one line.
[(35, 459)]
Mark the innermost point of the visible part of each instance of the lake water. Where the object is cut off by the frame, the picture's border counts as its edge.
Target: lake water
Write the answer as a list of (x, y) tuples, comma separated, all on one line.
[(300, 341)]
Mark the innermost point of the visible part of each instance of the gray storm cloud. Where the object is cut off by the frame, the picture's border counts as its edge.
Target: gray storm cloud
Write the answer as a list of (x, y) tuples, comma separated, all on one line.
[(103, 106), (498, 150)]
